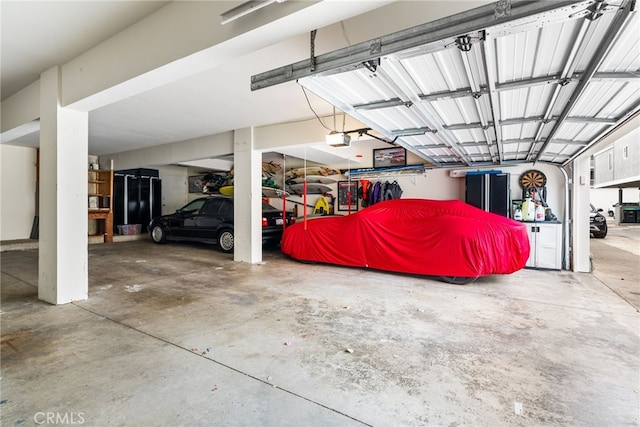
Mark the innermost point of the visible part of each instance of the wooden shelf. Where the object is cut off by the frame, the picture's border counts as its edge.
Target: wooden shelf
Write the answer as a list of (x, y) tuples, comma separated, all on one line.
[(100, 187)]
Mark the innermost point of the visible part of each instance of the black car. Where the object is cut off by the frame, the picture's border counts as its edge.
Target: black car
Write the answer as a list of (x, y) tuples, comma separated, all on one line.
[(210, 220), (597, 223)]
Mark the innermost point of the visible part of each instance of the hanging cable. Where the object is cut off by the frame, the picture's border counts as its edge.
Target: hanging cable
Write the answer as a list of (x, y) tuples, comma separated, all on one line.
[(334, 118), (311, 108)]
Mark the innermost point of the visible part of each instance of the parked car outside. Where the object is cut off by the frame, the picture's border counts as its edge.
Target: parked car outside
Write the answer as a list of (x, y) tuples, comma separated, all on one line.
[(210, 220), (449, 239), (597, 223)]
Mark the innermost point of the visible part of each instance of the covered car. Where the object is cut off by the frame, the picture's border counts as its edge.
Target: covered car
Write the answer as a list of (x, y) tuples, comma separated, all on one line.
[(446, 238)]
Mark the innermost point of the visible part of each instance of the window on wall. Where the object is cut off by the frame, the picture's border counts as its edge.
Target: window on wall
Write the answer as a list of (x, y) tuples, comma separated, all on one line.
[(610, 158), (625, 152)]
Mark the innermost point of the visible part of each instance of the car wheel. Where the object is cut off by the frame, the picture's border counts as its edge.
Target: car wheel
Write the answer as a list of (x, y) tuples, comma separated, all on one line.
[(225, 241), (157, 234), (457, 280), (600, 235)]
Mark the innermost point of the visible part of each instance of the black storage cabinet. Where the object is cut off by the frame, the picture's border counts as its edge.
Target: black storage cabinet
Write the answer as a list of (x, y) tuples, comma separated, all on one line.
[(489, 191), (137, 197)]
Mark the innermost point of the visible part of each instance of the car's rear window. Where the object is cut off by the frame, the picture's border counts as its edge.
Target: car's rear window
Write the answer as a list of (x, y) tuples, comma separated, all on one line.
[(266, 207)]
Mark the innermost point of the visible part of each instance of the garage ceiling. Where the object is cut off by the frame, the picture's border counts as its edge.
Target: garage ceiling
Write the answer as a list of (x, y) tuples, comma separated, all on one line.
[(510, 82)]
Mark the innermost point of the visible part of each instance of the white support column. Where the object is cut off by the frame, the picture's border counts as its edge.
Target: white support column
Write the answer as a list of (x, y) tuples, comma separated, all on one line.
[(247, 183), (63, 254), (581, 245)]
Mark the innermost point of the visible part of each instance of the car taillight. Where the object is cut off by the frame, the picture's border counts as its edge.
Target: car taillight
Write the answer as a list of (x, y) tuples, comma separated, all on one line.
[(264, 222)]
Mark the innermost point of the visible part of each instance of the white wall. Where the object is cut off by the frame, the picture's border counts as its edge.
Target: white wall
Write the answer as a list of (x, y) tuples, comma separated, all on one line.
[(17, 191), (605, 198), (174, 188), (619, 163)]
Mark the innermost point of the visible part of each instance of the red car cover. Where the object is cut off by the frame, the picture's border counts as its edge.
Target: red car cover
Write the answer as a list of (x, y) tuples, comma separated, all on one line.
[(417, 236)]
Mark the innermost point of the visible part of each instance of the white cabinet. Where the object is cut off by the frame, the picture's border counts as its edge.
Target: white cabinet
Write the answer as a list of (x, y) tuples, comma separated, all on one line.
[(546, 245)]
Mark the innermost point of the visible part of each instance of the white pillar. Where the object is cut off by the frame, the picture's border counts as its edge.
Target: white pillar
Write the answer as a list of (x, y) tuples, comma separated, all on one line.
[(581, 245), (247, 183), (63, 254)]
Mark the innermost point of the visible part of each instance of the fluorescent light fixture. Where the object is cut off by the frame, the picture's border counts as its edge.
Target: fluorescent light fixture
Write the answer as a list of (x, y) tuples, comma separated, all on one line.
[(245, 9), (338, 139)]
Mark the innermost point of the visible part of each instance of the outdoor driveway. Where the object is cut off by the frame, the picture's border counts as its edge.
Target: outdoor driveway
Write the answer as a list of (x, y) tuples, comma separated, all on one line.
[(616, 261)]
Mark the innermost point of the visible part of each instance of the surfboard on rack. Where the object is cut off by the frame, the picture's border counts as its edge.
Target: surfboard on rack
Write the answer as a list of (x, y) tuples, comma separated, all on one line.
[(313, 179), (274, 193), (311, 170), (267, 192), (227, 190), (298, 189)]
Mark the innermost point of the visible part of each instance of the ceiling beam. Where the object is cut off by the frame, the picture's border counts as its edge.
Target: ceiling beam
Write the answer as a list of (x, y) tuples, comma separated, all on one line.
[(460, 93), (524, 83), (463, 126), (601, 121), (616, 75), (556, 79), (521, 120), (394, 102)]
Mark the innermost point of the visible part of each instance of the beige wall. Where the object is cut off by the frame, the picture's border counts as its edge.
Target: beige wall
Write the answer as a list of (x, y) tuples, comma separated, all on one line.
[(17, 191), (18, 188)]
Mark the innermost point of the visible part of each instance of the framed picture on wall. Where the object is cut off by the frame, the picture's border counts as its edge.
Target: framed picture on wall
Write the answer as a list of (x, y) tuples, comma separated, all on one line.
[(348, 196), (195, 183), (388, 157)]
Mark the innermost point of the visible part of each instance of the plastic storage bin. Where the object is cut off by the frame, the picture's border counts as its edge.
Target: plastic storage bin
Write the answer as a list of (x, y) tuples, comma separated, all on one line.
[(629, 215), (129, 229)]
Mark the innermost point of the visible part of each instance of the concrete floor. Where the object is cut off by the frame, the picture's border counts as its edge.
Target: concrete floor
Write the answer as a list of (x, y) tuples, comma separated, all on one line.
[(181, 335)]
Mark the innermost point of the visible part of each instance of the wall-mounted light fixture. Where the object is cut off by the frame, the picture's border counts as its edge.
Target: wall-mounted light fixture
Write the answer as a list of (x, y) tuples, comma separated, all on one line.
[(245, 9)]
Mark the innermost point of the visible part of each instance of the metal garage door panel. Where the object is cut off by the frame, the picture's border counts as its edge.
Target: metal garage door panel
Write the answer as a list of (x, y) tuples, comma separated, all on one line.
[(554, 82)]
